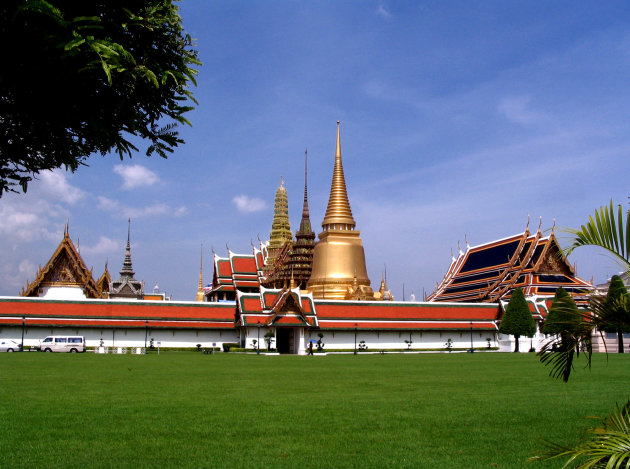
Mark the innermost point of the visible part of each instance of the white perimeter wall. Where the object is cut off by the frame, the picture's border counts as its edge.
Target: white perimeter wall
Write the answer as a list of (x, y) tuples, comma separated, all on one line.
[(124, 337), (396, 339), (333, 340)]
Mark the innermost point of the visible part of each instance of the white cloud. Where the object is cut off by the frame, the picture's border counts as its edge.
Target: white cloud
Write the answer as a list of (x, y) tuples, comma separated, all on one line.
[(383, 11), (111, 205), (135, 176), (107, 204), (181, 211), (517, 109), (104, 245), (248, 204), (25, 222), (55, 183)]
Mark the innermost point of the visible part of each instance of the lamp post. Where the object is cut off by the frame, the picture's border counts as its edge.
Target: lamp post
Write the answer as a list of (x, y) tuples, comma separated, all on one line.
[(23, 326), (355, 338), (146, 334), (258, 341), (471, 338)]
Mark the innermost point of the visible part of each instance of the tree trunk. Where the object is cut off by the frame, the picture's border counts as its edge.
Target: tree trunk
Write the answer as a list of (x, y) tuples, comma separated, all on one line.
[(619, 341), (516, 343)]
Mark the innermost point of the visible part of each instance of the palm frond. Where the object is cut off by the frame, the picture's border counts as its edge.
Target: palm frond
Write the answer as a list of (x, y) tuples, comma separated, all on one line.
[(607, 446), (606, 231)]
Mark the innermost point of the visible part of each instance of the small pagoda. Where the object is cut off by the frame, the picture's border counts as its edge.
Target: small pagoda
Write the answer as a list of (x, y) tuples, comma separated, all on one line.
[(126, 286)]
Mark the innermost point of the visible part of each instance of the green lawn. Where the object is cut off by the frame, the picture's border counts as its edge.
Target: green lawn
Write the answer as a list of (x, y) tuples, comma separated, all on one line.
[(246, 411)]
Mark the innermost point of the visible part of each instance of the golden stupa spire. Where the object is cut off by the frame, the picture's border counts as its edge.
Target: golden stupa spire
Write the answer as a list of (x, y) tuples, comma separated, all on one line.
[(339, 270), (200, 295), (338, 213)]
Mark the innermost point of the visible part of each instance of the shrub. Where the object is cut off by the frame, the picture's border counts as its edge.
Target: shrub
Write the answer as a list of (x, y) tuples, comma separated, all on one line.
[(228, 345)]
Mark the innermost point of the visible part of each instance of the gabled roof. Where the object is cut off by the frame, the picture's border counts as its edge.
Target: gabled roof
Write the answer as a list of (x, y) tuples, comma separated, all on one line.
[(222, 278), (276, 307), (104, 282), (490, 272), (64, 268)]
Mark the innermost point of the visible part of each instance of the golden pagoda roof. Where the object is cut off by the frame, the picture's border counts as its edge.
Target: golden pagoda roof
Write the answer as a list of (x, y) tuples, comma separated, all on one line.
[(64, 268), (280, 226), (104, 282), (338, 210)]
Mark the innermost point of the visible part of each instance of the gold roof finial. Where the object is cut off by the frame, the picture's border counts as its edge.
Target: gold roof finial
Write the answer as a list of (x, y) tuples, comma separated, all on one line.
[(338, 210), (200, 295)]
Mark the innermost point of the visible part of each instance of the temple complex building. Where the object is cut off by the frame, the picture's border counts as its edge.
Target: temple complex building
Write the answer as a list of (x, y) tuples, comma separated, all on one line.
[(291, 291), (491, 271)]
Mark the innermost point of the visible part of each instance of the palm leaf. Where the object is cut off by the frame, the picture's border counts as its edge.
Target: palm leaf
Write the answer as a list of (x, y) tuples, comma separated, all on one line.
[(607, 446), (605, 231)]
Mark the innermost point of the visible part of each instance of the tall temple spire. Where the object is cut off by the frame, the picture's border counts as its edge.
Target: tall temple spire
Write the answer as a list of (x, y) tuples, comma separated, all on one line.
[(127, 286), (127, 269), (280, 228), (200, 295), (339, 270), (338, 212), (294, 260), (305, 223)]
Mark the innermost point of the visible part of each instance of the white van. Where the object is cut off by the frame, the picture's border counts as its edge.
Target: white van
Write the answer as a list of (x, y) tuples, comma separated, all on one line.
[(62, 343)]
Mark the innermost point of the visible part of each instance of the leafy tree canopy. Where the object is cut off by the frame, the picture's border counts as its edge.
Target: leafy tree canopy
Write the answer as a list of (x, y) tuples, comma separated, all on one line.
[(517, 320), (562, 313), (615, 316), (86, 77)]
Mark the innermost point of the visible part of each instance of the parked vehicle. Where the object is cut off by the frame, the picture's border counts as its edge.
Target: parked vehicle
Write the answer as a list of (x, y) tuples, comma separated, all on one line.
[(9, 346), (62, 343)]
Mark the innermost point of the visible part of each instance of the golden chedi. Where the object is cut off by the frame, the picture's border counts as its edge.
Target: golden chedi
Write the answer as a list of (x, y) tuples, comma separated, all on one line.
[(339, 271)]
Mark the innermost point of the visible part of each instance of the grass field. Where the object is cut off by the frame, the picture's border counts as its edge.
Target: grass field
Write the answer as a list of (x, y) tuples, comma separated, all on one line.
[(240, 411)]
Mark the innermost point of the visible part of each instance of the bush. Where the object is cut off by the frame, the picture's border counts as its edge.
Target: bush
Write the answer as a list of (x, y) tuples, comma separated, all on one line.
[(228, 345)]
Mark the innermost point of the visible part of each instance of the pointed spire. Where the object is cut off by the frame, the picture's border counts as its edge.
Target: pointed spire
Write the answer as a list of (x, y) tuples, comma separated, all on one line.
[(338, 211), (127, 285), (305, 223), (200, 295), (127, 269)]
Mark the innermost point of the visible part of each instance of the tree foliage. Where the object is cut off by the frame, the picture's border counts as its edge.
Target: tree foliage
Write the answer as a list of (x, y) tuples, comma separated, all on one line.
[(561, 314), (609, 230), (616, 313), (609, 445), (517, 320), (88, 77), (575, 328)]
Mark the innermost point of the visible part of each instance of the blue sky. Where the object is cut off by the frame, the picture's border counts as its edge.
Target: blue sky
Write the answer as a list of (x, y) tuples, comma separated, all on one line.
[(458, 119)]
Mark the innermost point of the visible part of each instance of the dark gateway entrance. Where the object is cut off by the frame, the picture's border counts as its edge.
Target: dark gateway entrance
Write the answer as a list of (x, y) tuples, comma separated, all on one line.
[(285, 340)]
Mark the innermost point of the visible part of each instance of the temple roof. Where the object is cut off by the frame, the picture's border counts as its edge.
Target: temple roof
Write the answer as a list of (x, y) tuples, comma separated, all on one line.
[(277, 307), (104, 282), (489, 272), (64, 268), (386, 315)]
